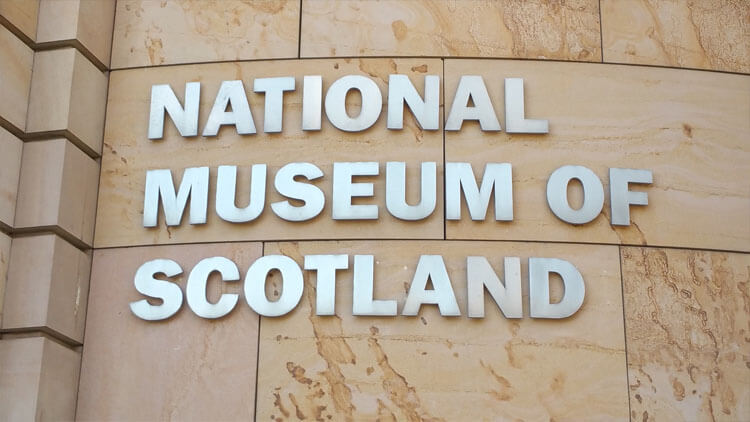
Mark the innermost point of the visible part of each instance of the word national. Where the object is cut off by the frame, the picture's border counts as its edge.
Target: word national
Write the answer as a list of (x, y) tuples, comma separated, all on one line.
[(470, 102)]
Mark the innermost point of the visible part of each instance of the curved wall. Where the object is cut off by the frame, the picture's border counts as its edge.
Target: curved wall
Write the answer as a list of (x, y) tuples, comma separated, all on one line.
[(662, 332)]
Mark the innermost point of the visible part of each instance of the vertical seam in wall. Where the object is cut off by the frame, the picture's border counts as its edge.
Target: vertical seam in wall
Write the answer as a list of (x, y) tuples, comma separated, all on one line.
[(28, 102), (445, 205), (601, 32), (111, 43), (299, 32), (96, 209), (257, 349), (23, 148), (624, 328)]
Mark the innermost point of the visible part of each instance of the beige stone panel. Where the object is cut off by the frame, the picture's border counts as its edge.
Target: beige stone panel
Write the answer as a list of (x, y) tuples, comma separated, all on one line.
[(468, 28), (184, 368), (707, 34), (15, 78), (10, 167), (687, 314), (85, 21), (5, 242), (38, 380), (128, 153), (418, 368), (68, 96), (149, 33), (48, 283), (57, 188), (22, 14), (689, 128)]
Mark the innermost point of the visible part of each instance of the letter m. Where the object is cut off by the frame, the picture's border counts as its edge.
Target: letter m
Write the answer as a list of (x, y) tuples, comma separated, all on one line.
[(460, 177), (159, 184)]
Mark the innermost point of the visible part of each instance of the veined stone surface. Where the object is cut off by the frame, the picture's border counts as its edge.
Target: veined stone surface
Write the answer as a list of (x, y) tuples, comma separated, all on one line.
[(10, 168), (151, 33), (687, 323), (128, 153), (432, 367), (470, 28), (706, 34), (689, 128)]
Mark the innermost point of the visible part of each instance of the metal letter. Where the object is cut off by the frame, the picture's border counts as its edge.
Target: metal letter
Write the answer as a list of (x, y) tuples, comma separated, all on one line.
[(470, 86), (372, 103), (426, 112), (515, 116), (557, 194), (311, 195), (344, 190), (226, 191), (146, 284), (230, 92), (312, 100), (325, 290), (291, 285), (539, 269), (274, 109), (621, 198), (479, 274), (460, 177), (159, 184), (395, 191), (431, 267), (196, 287), (363, 303), (185, 119)]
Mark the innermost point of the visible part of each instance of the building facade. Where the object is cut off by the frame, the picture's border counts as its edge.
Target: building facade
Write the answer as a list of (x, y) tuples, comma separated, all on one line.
[(375, 210)]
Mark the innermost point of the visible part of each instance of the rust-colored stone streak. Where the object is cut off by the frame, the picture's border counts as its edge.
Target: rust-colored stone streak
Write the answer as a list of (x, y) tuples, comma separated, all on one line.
[(687, 324), (333, 349), (347, 367), (399, 390)]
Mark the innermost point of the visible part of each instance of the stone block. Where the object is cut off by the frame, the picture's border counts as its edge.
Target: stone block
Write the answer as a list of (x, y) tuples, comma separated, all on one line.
[(15, 78), (129, 154), (48, 283), (468, 28), (689, 128), (22, 14), (5, 242), (68, 97), (182, 368), (89, 23), (151, 33), (710, 34), (57, 187), (687, 319), (38, 380), (419, 368)]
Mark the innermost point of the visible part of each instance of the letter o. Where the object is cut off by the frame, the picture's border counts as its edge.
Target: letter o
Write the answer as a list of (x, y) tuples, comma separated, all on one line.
[(291, 285), (557, 194), (372, 103)]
